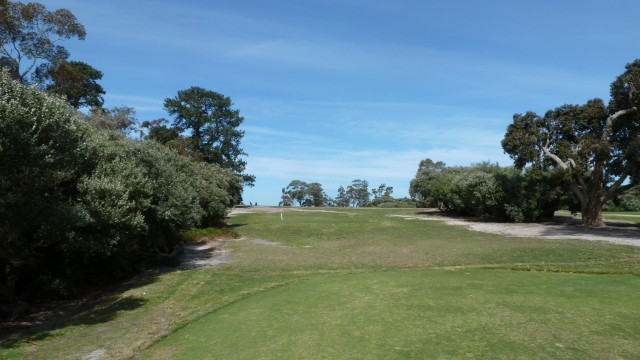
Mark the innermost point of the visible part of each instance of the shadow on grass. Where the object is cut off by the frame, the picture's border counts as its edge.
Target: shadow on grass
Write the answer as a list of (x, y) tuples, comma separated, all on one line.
[(94, 308)]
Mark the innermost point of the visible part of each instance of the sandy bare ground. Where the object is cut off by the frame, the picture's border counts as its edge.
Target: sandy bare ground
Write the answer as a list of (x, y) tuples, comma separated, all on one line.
[(205, 254), (564, 227)]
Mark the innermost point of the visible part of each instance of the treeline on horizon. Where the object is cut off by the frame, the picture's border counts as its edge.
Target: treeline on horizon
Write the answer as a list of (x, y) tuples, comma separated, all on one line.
[(478, 190), (356, 194)]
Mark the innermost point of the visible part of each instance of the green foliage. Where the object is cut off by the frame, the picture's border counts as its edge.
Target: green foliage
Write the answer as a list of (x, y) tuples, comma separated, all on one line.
[(119, 119), (207, 119), (629, 201), (358, 193), (76, 81), (598, 146), (43, 144), (488, 190), (342, 200), (28, 37), (390, 202), (81, 202), (305, 194)]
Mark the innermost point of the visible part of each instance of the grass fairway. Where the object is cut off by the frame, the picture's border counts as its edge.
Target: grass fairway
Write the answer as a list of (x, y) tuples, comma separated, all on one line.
[(418, 314), (360, 284)]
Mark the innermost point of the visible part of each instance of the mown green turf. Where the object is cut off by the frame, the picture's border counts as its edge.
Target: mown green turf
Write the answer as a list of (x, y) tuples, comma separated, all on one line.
[(421, 314), (338, 251)]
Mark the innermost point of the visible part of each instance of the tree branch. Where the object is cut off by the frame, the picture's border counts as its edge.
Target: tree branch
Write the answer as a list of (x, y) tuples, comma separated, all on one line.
[(616, 187), (553, 157), (24, 74), (570, 164), (614, 117), (578, 191)]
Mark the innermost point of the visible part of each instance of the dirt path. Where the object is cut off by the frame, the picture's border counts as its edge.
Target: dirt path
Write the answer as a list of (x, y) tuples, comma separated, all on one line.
[(565, 227)]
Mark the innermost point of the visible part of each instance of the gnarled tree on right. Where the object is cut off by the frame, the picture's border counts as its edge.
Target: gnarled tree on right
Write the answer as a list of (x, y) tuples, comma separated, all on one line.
[(596, 145)]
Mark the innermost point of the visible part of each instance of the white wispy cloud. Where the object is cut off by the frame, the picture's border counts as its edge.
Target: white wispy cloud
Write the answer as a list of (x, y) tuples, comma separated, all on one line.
[(139, 103)]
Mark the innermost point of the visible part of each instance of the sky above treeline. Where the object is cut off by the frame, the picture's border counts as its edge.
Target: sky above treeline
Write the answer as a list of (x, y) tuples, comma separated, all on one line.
[(333, 91)]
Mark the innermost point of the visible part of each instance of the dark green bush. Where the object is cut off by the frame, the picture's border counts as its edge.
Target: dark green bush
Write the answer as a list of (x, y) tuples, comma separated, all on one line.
[(489, 190), (79, 203), (629, 201)]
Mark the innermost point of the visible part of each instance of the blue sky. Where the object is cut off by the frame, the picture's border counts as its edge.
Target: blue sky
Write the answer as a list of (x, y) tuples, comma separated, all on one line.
[(333, 91)]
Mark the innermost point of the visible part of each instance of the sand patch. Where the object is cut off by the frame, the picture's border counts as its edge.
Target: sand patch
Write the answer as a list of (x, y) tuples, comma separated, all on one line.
[(563, 228), (205, 254)]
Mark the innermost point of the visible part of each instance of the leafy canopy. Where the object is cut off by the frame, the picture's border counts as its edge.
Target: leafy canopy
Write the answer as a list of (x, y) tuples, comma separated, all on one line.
[(206, 118), (598, 145), (29, 36)]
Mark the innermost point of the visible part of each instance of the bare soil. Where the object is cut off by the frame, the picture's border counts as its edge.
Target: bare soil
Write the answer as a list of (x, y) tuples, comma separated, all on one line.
[(205, 254)]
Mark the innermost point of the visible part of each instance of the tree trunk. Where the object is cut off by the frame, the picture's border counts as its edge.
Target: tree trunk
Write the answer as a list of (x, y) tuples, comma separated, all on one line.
[(592, 211)]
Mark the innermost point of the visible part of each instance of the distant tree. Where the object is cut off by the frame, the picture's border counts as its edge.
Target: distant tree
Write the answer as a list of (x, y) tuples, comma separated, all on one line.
[(157, 130), (305, 194), (316, 195), (29, 36), (358, 193), (382, 190), (120, 119), (77, 82), (297, 191), (597, 146), (342, 200), (207, 118), (285, 199)]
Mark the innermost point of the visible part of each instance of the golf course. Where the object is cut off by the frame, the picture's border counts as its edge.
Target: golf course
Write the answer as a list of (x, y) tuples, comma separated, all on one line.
[(362, 284)]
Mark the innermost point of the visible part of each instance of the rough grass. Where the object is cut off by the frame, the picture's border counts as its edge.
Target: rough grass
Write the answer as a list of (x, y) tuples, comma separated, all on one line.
[(404, 283)]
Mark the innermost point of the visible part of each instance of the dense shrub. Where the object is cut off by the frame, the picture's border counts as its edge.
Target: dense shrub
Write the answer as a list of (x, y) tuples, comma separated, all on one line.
[(489, 190), (629, 201), (78, 202), (390, 202)]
